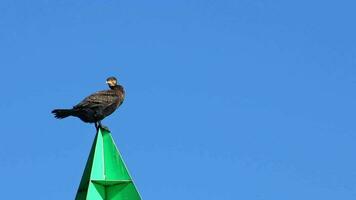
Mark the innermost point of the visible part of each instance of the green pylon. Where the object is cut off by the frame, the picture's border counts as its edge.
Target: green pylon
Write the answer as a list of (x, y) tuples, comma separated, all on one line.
[(105, 176)]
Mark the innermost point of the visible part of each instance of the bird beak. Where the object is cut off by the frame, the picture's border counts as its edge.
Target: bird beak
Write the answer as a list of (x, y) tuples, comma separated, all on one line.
[(107, 82)]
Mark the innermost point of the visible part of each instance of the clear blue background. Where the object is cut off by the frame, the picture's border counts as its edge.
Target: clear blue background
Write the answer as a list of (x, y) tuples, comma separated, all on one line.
[(226, 100)]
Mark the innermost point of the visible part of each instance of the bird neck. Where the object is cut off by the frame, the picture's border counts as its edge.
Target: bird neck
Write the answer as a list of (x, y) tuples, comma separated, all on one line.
[(113, 87), (117, 87)]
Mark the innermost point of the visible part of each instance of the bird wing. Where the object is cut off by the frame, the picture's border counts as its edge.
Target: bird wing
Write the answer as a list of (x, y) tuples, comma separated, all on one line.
[(101, 98)]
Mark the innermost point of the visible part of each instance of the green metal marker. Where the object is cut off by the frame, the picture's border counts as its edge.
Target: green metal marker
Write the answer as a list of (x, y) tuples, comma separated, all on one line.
[(105, 176)]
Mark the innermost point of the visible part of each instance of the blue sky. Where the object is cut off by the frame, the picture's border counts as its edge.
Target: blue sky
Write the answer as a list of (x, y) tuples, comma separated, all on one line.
[(230, 99)]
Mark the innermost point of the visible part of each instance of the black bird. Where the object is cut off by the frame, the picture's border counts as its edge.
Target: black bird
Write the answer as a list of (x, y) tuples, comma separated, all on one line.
[(97, 106)]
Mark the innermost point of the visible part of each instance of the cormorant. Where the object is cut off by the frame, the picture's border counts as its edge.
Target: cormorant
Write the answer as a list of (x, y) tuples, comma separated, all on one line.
[(97, 106)]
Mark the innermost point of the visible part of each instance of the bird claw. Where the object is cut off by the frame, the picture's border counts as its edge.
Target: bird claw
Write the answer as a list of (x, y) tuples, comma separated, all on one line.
[(104, 128)]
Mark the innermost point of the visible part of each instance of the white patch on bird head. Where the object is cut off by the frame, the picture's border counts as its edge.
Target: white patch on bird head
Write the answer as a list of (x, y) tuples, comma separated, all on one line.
[(111, 81)]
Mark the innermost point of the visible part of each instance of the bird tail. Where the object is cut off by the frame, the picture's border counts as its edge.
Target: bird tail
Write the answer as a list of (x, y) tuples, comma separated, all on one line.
[(62, 113)]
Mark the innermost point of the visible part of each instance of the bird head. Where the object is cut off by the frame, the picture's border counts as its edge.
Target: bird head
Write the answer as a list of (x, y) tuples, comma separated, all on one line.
[(111, 81)]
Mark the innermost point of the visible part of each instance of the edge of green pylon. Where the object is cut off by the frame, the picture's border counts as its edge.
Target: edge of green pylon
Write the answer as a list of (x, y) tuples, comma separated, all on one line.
[(85, 180)]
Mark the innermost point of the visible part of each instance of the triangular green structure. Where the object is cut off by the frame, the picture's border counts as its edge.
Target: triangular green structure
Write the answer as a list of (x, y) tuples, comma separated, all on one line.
[(105, 176)]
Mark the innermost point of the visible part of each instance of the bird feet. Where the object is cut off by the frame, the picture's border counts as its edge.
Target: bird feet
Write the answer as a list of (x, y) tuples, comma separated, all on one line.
[(105, 128), (99, 125)]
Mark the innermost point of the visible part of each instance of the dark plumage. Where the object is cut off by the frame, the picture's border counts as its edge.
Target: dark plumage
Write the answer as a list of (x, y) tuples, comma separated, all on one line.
[(97, 106)]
